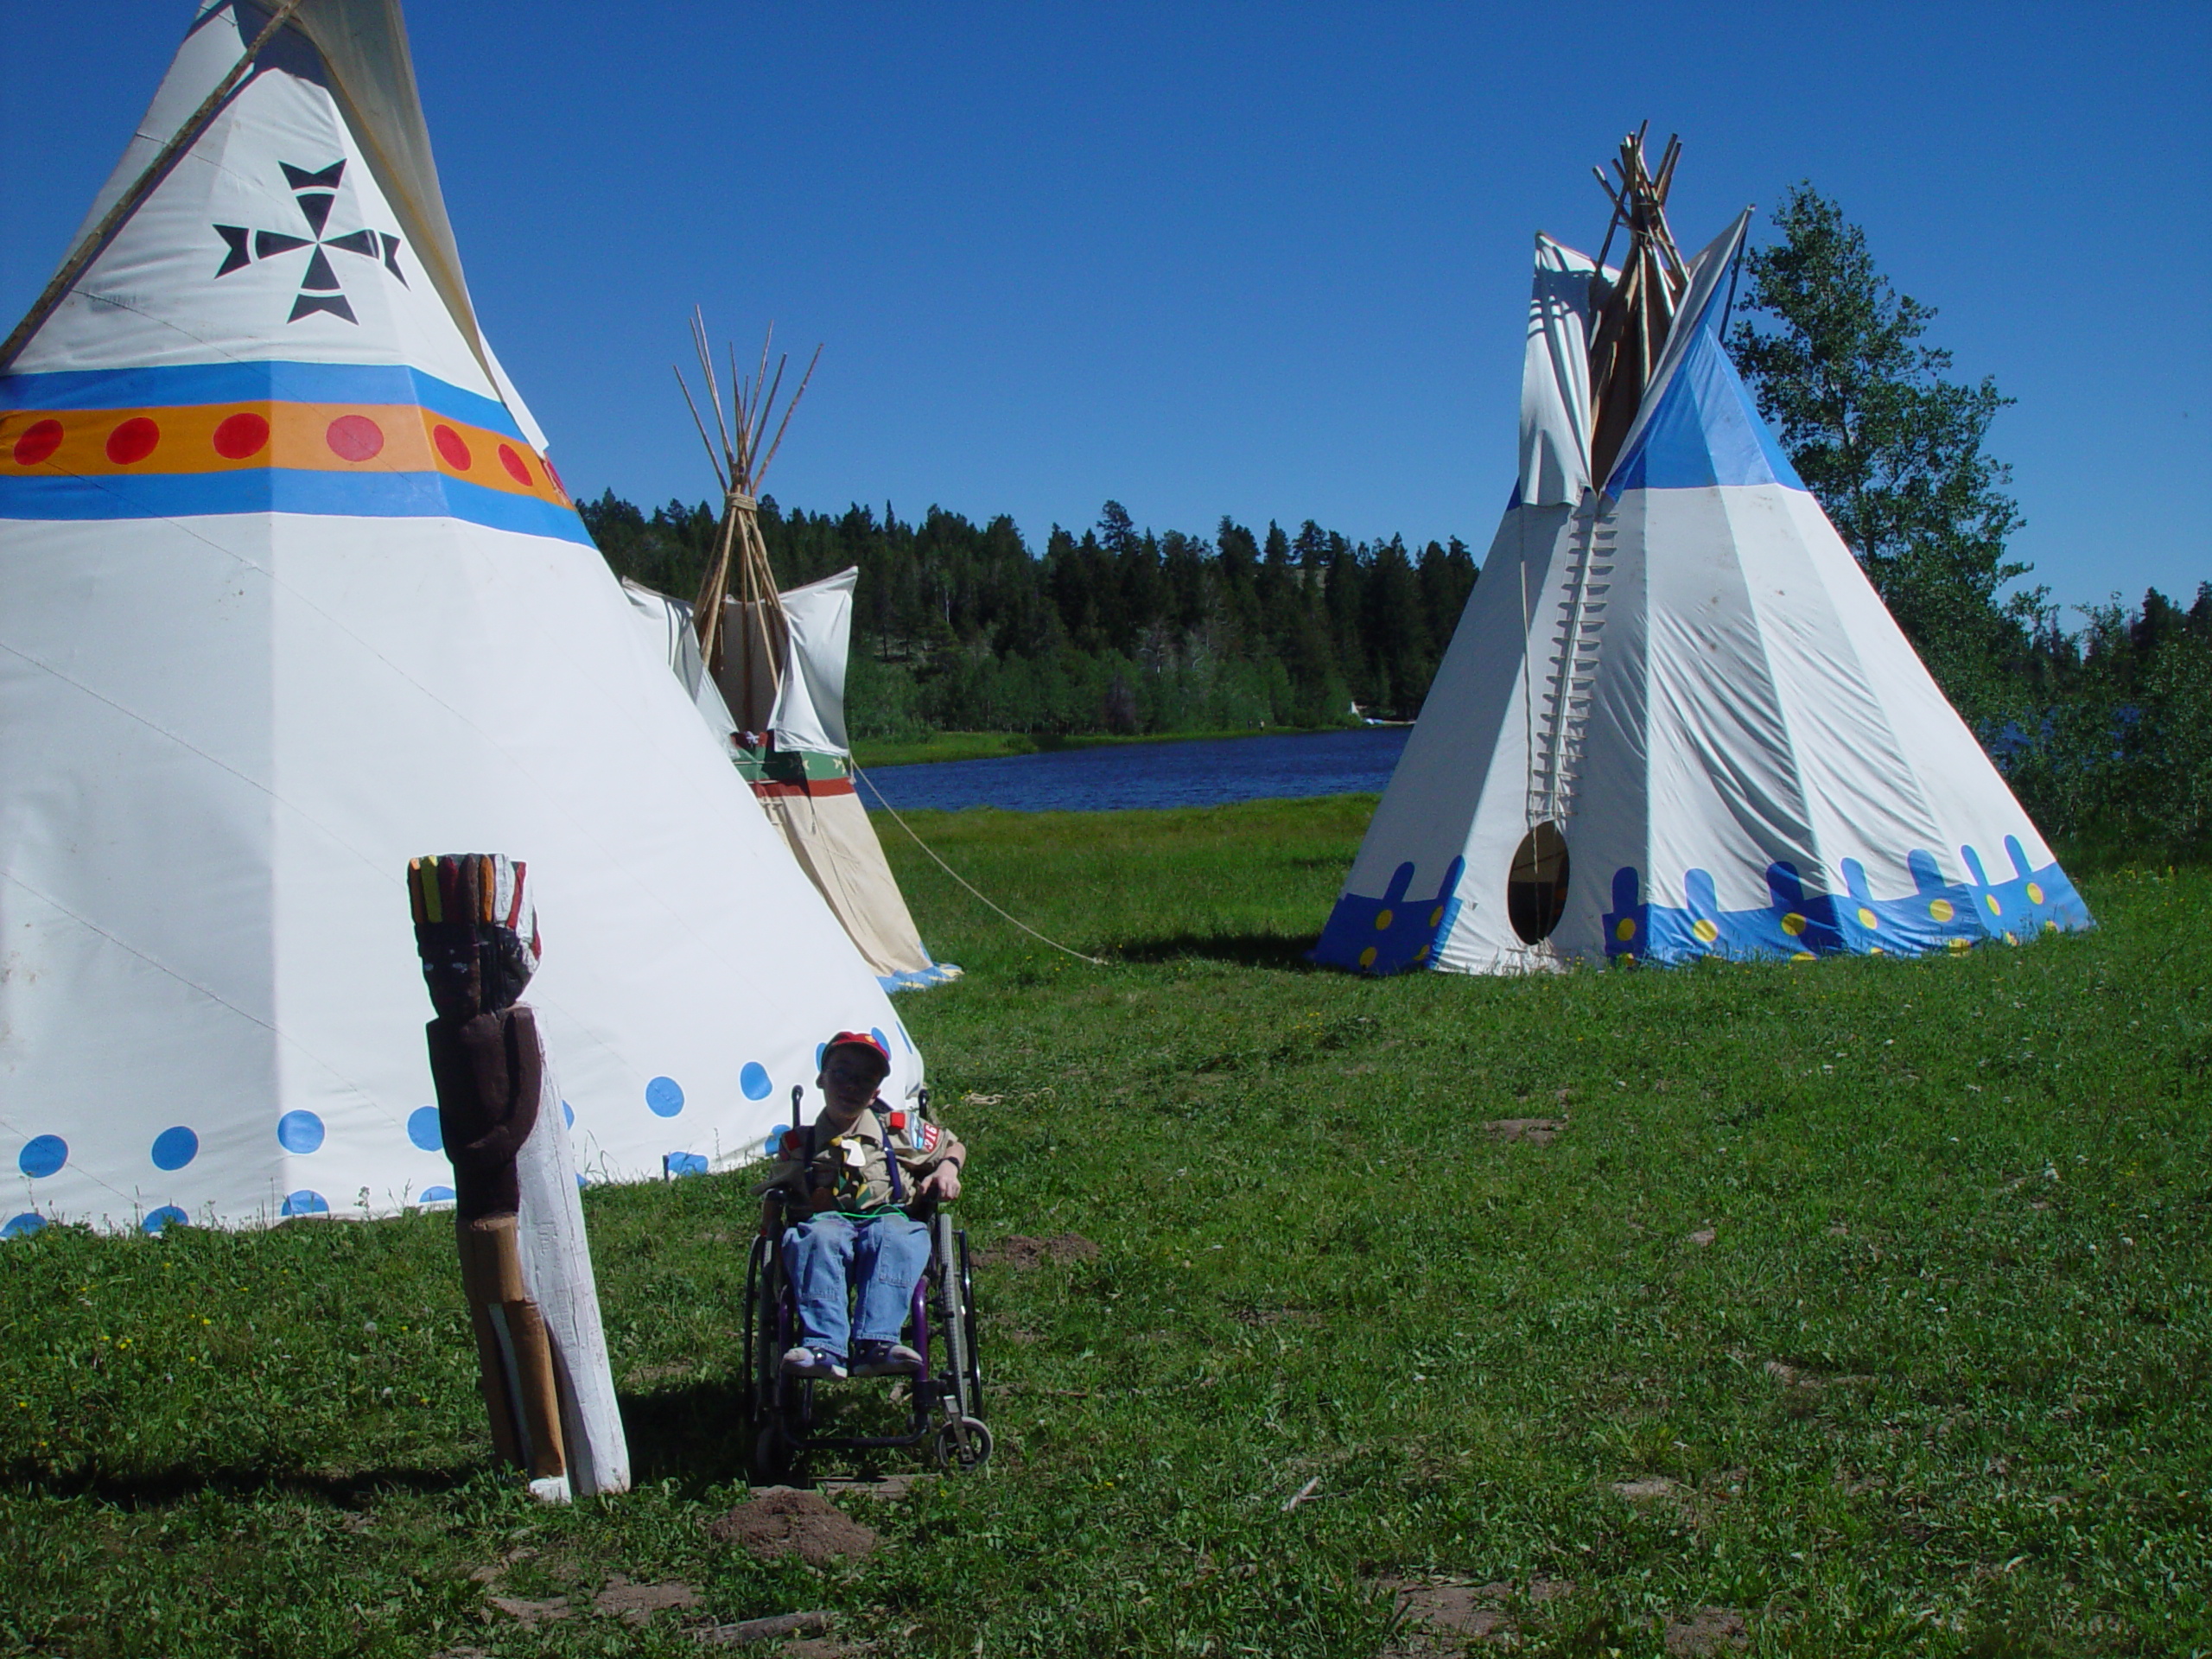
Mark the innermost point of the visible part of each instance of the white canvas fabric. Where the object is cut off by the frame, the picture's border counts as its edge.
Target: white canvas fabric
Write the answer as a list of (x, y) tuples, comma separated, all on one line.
[(556, 1271), (665, 624), (810, 712), (1688, 675), (292, 596)]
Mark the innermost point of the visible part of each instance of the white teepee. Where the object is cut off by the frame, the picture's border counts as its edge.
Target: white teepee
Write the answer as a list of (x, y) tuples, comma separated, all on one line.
[(292, 596), (1675, 720)]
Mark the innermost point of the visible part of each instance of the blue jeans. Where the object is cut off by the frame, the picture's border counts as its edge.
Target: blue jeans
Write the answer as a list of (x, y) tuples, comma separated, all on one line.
[(830, 1257)]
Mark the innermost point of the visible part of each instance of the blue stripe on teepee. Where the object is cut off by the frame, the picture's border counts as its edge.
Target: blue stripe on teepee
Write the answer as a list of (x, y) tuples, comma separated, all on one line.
[(1704, 432), (1797, 923), (1394, 932), (280, 489)]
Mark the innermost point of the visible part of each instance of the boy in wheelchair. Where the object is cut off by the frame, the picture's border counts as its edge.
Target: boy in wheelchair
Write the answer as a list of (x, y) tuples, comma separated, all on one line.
[(845, 1183)]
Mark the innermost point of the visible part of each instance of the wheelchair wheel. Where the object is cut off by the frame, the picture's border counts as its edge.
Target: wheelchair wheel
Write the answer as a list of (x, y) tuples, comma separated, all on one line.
[(963, 1443), (764, 1287), (974, 1355), (952, 1318)]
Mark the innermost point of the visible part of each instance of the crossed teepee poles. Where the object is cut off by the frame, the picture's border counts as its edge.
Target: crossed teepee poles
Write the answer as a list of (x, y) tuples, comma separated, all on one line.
[(742, 468)]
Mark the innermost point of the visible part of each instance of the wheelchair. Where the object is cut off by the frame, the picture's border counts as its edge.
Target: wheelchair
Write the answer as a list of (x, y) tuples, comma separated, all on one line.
[(944, 1400)]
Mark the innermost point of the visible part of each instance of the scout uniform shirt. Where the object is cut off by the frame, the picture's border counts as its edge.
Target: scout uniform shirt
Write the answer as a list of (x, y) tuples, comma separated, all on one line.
[(850, 1173)]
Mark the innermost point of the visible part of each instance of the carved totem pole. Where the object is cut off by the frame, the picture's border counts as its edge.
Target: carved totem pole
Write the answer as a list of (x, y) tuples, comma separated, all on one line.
[(525, 1264)]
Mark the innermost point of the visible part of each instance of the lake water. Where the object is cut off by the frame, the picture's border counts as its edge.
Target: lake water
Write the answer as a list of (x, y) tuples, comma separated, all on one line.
[(1204, 772)]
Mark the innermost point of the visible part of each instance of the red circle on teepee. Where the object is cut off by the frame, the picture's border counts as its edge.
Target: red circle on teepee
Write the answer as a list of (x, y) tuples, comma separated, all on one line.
[(451, 447), (517, 468), (133, 441), (241, 435), (553, 474), (354, 437), (39, 441)]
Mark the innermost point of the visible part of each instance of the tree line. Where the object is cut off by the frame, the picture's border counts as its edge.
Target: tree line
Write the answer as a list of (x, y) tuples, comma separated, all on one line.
[(2104, 728), (962, 627)]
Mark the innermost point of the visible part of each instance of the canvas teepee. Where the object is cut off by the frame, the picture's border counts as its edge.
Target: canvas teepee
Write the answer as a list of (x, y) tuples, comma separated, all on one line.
[(293, 595), (1675, 720), (777, 660)]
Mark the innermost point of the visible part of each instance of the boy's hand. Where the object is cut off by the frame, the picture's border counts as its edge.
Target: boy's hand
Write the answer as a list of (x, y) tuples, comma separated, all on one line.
[(942, 1183)]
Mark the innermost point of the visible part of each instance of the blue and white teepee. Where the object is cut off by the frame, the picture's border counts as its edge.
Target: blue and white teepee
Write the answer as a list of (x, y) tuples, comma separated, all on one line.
[(1675, 720)]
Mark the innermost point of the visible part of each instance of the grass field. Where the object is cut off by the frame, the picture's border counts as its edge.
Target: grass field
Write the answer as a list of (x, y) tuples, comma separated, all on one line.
[(991, 746), (1863, 1306)]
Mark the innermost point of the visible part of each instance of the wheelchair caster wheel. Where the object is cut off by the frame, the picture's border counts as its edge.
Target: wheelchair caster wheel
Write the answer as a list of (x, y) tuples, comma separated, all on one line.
[(964, 1443)]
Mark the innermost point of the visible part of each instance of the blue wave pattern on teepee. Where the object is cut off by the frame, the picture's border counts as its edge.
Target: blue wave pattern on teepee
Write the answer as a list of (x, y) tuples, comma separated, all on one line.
[(1390, 934), (1798, 922), (1705, 432)]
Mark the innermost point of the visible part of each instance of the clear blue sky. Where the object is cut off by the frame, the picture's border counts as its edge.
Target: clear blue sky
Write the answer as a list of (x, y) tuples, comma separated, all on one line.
[(1270, 261)]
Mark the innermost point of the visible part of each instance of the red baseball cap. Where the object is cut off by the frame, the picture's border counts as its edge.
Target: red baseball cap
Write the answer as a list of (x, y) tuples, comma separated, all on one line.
[(866, 1039)]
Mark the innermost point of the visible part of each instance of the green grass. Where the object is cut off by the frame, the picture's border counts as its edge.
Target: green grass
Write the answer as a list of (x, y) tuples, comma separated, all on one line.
[(1937, 1385), (990, 746)]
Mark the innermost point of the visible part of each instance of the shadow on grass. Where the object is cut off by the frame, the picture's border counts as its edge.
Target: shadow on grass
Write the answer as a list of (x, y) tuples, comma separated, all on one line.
[(1246, 950), (156, 1488), (700, 1436), (697, 1436)]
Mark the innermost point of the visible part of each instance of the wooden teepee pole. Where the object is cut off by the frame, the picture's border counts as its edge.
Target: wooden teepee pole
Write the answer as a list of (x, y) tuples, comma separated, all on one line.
[(740, 556)]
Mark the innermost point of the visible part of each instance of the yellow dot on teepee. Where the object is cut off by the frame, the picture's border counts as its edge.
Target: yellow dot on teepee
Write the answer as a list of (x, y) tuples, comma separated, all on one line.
[(1958, 946), (1436, 916), (1422, 955), (2035, 894), (1383, 918), (1941, 909), (1867, 918), (1624, 929), (1803, 955), (1367, 957), (1705, 929), (1793, 924), (2049, 926), (1990, 898)]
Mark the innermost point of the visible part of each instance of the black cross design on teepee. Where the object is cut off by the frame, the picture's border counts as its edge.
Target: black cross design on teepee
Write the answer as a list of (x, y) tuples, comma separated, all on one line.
[(319, 288)]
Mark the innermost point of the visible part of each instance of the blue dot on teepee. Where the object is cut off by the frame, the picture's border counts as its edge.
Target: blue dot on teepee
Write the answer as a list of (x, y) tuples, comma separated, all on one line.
[(167, 1215), (422, 1128), (567, 1116), (881, 1041), (663, 1097), (174, 1149), (754, 1080), (305, 1202), (438, 1195), (42, 1154), (24, 1226), (299, 1132)]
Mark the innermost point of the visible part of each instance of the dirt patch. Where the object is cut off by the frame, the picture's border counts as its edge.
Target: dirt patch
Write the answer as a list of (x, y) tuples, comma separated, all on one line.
[(1538, 1131), (644, 1377), (1649, 1489), (889, 1488), (636, 1603), (1455, 1609), (774, 1628), (1019, 1251), (1550, 1589), (532, 1612), (1703, 1237), (1708, 1631), (1267, 1316), (782, 1521)]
